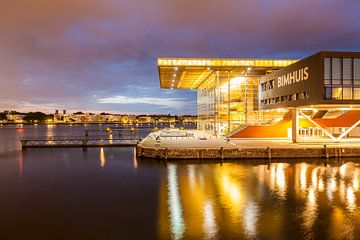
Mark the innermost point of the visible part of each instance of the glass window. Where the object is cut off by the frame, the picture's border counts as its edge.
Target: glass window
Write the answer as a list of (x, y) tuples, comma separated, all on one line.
[(347, 68), (336, 70), (357, 69), (328, 94), (327, 68), (337, 93), (357, 93), (347, 93)]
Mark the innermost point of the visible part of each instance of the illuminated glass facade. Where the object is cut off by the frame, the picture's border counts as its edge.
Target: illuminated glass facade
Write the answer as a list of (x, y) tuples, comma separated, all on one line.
[(237, 95), (227, 89), (228, 100)]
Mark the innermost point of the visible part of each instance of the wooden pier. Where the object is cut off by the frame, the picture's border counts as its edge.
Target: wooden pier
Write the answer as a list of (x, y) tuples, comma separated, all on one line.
[(84, 142)]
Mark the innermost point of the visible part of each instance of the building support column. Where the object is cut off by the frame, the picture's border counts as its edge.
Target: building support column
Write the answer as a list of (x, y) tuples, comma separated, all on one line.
[(294, 125), (229, 99)]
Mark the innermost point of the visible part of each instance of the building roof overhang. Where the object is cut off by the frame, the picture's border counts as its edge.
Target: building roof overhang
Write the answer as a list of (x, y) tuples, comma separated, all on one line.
[(189, 73)]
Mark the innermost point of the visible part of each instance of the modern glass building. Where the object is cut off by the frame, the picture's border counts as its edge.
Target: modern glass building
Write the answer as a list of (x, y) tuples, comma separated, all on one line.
[(227, 89), (314, 98)]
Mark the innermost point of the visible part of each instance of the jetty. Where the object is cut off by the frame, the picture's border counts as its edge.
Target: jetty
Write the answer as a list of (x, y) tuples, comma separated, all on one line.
[(80, 141)]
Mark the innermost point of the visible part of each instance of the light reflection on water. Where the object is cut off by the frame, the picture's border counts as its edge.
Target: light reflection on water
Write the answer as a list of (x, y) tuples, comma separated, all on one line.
[(102, 158), (107, 192), (174, 204), (258, 200)]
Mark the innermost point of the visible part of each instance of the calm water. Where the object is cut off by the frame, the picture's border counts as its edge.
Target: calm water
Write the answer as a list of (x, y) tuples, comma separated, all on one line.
[(108, 194)]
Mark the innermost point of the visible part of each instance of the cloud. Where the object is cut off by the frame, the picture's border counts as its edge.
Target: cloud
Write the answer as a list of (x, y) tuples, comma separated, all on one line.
[(67, 51), (161, 102)]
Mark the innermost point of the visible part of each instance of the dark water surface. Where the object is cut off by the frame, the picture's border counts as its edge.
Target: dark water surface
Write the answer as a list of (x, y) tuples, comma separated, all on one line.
[(106, 193)]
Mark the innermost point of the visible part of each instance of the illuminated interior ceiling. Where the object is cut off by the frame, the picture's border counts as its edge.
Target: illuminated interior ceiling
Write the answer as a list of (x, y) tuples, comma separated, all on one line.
[(189, 73)]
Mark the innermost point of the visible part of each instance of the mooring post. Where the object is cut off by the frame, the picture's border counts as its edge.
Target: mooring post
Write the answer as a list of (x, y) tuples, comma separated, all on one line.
[(23, 144), (137, 148), (340, 152), (166, 153), (269, 153), (326, 152), (85, 141), (222, 153)]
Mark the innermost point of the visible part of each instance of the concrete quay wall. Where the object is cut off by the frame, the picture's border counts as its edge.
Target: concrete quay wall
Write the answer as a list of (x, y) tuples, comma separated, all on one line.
[(247, 153)]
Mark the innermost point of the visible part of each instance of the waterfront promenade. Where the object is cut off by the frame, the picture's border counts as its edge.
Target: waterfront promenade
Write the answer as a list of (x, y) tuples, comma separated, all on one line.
[(194, 144)]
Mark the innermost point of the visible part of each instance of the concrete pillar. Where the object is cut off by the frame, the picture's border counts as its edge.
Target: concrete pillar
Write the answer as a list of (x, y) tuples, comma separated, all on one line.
[(295, 125), (229, 98)]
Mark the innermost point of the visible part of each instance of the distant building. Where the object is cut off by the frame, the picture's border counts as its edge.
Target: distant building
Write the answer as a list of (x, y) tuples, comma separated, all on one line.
[(15, 118)]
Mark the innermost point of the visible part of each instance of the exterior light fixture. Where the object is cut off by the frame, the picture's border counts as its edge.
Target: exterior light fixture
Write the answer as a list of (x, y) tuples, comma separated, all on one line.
[(176, 68), (249, 68), (174, 75)]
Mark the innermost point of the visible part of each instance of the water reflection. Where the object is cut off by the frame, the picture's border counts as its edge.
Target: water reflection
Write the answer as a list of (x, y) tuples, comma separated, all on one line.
[(254, 200), (135, 162), (210, 226), (102, 158), (21, 161), (176, 218)]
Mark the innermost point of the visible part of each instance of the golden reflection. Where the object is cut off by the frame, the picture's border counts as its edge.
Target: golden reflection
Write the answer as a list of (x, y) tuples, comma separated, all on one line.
[(102, 158), (110, 138), (314, 177), (135, 162), (277, 179), (342, 170), (356, 179), (342, 189), (191, 173), (196, 199), (250, 218), (321, 185), (310, 211), (176, 217), (210, 226), (350, 199), (303, 169), (331, 188), (280, 180), (230, 189)]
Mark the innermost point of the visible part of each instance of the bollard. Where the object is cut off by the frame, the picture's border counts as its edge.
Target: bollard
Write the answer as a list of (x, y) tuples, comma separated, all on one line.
[(84, 143), (137, 149), (340, 152), (222, 153), (166, 153), (269, 153), (23, 144), (326, 152)]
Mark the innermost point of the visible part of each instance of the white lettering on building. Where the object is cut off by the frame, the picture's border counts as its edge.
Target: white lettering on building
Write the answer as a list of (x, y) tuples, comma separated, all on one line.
[(293, 77)]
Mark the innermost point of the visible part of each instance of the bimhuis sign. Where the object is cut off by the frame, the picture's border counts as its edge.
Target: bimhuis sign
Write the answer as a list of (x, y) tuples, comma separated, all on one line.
[(293, 77)]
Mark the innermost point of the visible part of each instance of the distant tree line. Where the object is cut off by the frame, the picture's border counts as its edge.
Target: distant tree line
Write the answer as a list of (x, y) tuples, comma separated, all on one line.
[(30, 117), (2, 116), (37, 117)]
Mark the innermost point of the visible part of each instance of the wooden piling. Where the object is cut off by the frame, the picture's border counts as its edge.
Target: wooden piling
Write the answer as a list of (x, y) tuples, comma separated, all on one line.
[(166, 153), (269, 153), (326, 154)]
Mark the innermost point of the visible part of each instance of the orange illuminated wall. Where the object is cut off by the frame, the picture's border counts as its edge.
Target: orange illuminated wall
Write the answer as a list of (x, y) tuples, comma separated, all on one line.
[(280, 129)]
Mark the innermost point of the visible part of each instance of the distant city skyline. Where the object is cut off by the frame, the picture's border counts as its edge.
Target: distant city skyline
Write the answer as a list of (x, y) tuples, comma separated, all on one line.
[(100, 56)]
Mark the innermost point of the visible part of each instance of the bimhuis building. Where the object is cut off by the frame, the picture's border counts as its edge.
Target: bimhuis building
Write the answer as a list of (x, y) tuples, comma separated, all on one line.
[(313, 99)]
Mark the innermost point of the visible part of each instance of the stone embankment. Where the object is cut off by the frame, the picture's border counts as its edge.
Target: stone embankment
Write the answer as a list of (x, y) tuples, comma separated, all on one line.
[(247, 153)]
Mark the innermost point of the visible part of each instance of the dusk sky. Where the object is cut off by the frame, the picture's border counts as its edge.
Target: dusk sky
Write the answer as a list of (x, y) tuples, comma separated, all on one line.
[(100, 55)]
